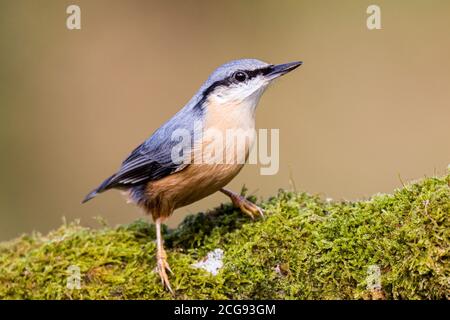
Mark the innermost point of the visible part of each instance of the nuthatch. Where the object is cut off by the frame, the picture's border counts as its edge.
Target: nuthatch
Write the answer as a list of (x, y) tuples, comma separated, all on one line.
[(150, 177)]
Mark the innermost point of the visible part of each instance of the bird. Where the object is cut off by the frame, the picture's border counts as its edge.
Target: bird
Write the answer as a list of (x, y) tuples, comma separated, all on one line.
[(158, 182)]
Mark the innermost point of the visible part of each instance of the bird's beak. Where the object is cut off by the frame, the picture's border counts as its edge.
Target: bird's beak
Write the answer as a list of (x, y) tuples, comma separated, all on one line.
[(278, 70)]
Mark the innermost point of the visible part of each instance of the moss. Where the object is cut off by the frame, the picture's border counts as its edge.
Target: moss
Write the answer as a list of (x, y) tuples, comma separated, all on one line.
[(305, 248)]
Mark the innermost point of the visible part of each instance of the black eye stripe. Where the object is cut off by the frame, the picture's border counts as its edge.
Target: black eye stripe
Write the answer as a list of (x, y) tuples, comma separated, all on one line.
[(229, 80), (257, 72)]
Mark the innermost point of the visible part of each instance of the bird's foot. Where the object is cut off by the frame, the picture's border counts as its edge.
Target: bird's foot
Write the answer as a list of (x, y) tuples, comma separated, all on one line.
[(162, 267), (246, 206)]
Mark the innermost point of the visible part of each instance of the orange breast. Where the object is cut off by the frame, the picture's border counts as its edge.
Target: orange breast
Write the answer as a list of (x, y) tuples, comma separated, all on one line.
[(200, 179), (195, 182)]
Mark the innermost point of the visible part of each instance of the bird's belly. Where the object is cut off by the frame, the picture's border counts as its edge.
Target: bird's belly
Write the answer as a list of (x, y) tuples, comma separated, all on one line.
[(195, 182), (216, 159)]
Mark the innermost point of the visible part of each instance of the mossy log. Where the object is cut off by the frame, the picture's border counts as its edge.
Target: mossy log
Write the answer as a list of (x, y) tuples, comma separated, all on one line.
[(387, 247)]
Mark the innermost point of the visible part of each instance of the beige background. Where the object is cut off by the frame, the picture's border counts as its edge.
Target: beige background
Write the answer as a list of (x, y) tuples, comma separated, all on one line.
[(365, 108)]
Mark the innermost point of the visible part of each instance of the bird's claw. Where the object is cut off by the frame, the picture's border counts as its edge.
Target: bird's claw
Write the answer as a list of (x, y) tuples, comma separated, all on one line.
[(247, 207), (163, 266)]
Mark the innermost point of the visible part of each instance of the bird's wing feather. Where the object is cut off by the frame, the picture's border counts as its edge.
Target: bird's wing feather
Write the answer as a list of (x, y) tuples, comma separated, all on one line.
[(152, 160), (145, 163)]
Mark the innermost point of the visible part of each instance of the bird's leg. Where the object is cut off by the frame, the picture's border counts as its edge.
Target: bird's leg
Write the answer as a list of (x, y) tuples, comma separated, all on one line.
[(161, 257), (242, 203)]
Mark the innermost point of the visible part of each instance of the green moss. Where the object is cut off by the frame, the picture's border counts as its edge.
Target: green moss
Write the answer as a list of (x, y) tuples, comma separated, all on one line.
[(305, 248)]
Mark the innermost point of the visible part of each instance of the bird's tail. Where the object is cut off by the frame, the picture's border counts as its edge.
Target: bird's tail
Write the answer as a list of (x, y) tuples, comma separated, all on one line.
[(103, 187), (91, 195)]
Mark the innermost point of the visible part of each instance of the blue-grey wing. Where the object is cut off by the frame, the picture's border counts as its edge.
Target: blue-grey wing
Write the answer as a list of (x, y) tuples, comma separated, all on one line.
[(152, 160), (146, 163)]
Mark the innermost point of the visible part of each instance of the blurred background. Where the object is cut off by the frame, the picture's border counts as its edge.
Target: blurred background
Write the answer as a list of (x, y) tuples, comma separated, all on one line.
[(365, 111)]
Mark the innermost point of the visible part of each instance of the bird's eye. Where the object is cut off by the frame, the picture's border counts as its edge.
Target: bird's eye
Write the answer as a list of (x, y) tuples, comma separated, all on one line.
[(240, 76)]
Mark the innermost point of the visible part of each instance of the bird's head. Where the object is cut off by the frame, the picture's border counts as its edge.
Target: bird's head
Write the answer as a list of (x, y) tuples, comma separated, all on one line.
[(242, 82)]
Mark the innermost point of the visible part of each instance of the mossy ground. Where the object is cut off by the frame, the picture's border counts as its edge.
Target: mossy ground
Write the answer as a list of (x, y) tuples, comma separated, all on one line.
[(305, 248)]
